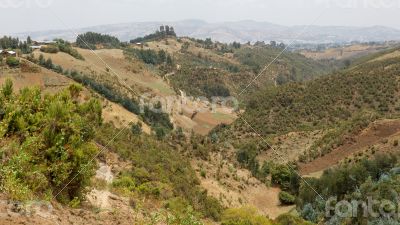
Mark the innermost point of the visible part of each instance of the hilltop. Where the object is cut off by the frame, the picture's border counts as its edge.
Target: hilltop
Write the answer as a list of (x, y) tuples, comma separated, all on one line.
[(240, 31)]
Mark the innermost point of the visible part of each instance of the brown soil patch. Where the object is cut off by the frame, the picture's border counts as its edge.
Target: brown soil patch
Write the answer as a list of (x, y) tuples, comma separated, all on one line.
[(375, 133), (343, 52), (48, 81), (236, 187), (121, 117), (290, 147), (125, 73)]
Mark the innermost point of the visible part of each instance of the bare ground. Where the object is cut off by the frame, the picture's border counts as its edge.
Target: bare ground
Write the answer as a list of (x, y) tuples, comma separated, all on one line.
[(375, 133)]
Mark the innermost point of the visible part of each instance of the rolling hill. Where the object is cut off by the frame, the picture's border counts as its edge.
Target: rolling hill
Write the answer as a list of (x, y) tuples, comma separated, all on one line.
[(241, 31), (327, 112)]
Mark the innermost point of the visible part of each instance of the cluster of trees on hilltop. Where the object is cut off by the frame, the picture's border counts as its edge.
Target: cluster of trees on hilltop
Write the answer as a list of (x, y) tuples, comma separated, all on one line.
[(150, 56), (89, 40), (163, 32), (8, 42)]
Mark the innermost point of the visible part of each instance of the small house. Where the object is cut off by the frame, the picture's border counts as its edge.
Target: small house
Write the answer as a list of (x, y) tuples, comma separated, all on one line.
[(6, 53), (139, 45), (35, 47)]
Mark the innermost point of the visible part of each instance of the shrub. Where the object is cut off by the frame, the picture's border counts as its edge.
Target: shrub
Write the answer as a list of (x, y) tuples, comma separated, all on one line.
[(286, 199), (281, 175), (49, 49), (212, 208), (53, 136), (66, 47), (125, 182), (244, 216), (289, 219), (12, 61), (137, 128)]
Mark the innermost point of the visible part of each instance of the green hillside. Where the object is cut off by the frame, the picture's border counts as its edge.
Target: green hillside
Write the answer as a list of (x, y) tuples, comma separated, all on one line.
[(206, 68), (202, 75), (342, 103)]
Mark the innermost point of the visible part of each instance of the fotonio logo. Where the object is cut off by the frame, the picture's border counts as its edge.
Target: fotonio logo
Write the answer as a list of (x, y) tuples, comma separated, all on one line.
[(7, 4), (369, 208)]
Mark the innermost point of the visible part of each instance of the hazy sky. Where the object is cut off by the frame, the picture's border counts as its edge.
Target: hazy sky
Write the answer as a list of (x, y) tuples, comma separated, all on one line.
[(32, 15)]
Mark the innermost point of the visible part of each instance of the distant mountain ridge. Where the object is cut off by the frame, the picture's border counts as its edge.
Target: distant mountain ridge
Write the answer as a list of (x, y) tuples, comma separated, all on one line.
[(242, 31)]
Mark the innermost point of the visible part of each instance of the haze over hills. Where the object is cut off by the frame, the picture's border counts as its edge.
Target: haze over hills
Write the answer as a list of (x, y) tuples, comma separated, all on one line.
[(242, 31)]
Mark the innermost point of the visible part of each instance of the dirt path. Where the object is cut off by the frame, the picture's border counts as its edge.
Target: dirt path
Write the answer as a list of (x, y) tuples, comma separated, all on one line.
[(375, 133)]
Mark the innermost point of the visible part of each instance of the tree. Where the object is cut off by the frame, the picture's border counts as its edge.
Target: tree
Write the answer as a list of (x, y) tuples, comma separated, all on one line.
[(29, 40), (42, 61), (281, 175), (308, 213), (91, 39), (12, 61), (167, 29), (236, 45), (185, 47), (7, 88), (49, 63), (57, 147), (137, 128), (286, 198)]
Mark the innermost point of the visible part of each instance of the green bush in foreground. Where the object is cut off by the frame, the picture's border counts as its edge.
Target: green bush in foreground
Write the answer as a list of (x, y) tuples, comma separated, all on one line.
[(12, 61), (46, 143), (286, 198), (244, 216)]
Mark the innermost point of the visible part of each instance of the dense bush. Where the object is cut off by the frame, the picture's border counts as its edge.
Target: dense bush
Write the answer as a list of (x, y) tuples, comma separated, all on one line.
[(244, 216), (47, 144), (165, 31), (7, 42), (289, 219), (286, 198), (89, 40), (65, 46), (49, 49), (246, 156), (12, 61), (149, 56)]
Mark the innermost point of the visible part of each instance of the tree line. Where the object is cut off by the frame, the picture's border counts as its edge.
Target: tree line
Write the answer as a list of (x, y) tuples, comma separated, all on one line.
[(163, 32), (89, 40)]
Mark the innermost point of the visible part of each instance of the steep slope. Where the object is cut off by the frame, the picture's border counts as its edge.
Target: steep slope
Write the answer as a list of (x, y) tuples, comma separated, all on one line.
[(31, 75), (337, 107)]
